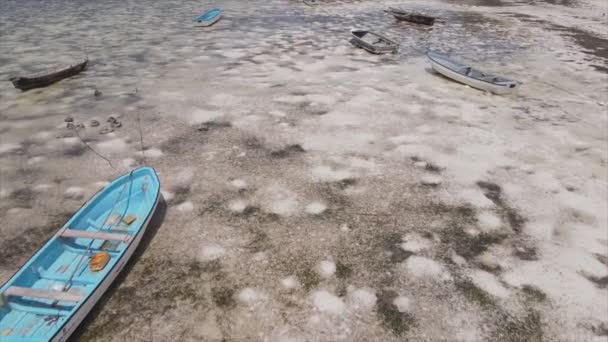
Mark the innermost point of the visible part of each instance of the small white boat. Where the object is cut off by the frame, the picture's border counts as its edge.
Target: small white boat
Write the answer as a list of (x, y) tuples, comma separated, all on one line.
[(469, 76), (373, 42)]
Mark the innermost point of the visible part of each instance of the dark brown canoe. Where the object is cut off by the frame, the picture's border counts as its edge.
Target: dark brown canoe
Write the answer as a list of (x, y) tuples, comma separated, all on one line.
[(43, 80), (412, 17)]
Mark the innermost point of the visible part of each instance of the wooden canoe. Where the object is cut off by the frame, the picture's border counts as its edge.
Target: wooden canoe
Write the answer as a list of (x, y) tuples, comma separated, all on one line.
[(55, 289), (412, 17), (467, 75), (373, 42), (46, 79)]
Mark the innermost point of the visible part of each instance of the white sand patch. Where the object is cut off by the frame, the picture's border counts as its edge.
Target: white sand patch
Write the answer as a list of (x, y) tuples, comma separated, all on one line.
[(339, 141), (100, 184), (290, 282), (4, 193), (168, 196), (488, 221), (237, 206), (326, 302), (112, 146), (326, 268), (402, 303), (476, 198), (184, 176), (420, 164), (488, 282), (458, 260), (559, 273), (35, 160), (415, 243), (414, 150), (290, 98), (431, 180), (42, 187), (425, 129), (239, 184), (9, 147), (315, 208), (404, 139), (361, 299), (277, 113), (234, 54), (151, 153), (185, 207), (128, 163), (211, 252), (280, 200), (74, 192), (200, 116), (422, 267), (71, 141), (43, 135), (250, 296), (344, 228), (546, 181), (326, 173), (223, 100)]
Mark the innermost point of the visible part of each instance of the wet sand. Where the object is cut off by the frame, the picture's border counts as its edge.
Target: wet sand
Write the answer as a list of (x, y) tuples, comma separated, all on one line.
[(314, 191)]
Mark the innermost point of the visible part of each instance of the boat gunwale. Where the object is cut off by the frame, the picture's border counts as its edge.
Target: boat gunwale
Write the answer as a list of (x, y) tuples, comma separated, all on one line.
[(508, 81)]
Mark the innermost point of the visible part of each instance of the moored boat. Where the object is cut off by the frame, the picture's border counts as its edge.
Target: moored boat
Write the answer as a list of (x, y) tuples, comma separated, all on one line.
[(412, 17), (208, 18), (468, 75), (46, 79), (373, 42), (55, 289)]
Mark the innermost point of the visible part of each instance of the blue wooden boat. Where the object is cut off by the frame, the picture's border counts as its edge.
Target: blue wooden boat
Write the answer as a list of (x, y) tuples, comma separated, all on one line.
[(54, 290), (209, 18)]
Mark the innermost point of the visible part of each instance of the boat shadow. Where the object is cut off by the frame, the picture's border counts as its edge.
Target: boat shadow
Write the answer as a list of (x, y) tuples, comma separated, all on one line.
[(153, 227)]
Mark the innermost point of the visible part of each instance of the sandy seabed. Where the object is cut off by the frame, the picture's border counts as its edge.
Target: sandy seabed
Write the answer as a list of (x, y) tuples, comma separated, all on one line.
[(315, 192)]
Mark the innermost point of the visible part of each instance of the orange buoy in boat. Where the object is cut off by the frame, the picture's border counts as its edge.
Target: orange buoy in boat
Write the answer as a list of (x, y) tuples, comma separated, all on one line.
[(98, 261)]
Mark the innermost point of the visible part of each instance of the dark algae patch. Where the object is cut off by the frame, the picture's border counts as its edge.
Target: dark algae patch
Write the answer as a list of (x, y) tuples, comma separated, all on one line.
[(343, 270), (469, 246), (288, 151), (19, 247), (161, 285), (474, 293), (223, 296), (534, 293), (398, 322), (518, 329), (493, 192)]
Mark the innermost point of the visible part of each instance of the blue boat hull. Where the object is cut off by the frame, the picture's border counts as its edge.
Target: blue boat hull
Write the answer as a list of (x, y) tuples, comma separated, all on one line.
[(209, 18), (55, 289)]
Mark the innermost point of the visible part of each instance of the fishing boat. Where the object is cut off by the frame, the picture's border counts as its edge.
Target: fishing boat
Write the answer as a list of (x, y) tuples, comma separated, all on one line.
[(209, 18), (412, 17), (373, 42), (53, 291), (48, 78), (311, 2), (468, 75)]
